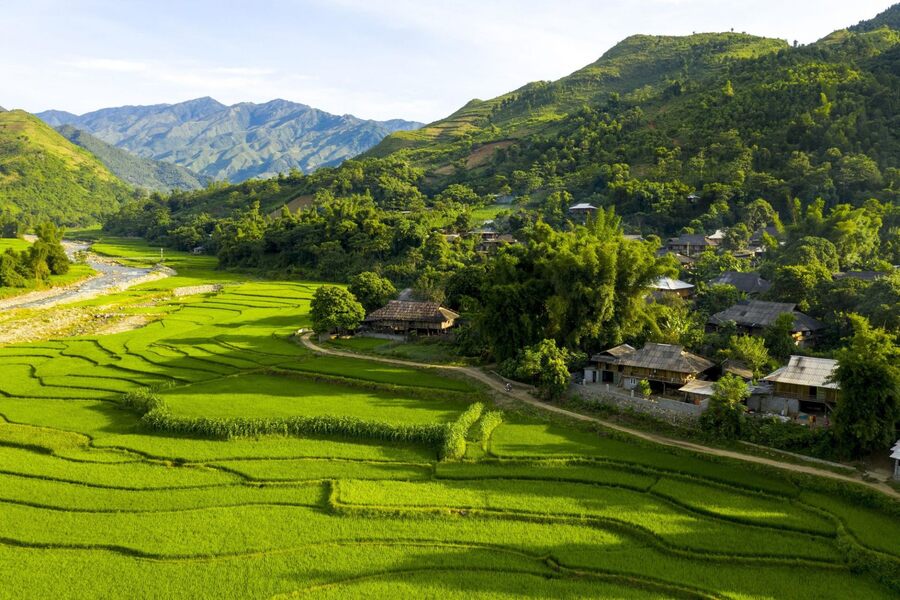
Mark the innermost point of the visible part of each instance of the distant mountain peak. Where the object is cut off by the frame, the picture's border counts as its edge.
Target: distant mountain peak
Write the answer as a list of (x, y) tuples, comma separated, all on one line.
[(235, 142)]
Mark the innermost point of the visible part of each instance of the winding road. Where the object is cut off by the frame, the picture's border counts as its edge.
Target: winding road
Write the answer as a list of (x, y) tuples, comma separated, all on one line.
[(522, 395)]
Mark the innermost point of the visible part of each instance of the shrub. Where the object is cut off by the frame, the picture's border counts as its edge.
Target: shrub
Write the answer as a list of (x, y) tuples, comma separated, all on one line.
[(489, 422), (454, 444)]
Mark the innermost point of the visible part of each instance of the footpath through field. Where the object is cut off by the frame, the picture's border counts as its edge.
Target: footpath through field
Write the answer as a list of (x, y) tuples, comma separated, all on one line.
[(522, 395)]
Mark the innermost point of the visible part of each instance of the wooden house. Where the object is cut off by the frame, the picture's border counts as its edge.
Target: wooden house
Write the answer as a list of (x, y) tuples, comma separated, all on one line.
[(807, 380), (404, 317), (753, 316), (691, 244), (665, 366)]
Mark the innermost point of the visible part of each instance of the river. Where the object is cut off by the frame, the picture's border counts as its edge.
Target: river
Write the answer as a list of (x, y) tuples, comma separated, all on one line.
[(111, 277)]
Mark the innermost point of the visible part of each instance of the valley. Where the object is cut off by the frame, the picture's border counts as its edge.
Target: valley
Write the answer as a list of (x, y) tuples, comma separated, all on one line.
[(94, 487)]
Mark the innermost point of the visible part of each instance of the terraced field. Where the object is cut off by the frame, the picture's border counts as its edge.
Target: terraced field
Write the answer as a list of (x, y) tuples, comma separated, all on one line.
[(209, 455)]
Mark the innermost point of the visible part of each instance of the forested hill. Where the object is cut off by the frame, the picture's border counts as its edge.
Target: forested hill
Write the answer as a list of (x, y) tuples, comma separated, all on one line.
[(729, 116), (236, 142), (146, 173), (43, 175), (633, 69)]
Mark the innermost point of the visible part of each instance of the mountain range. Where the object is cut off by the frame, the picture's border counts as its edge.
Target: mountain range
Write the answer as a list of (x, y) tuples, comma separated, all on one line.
[(236, 142), (145, 173)]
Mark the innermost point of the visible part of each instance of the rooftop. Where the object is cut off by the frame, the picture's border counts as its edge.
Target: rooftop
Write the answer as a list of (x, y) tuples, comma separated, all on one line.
[(669, 357), (404, 310), (806, 370), (698, 387), (671, 285), (749, 283), (583, 206), (758, 313)]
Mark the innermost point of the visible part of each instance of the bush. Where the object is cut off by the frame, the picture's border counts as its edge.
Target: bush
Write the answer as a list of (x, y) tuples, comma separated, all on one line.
[(489, 422), (454, 444)]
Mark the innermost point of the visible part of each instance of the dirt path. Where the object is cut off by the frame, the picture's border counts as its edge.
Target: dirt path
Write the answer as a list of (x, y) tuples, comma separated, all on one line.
[(522, 395)]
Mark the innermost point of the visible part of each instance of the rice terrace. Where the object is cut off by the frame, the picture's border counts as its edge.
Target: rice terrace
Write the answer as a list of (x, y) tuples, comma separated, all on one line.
[(209, 453)]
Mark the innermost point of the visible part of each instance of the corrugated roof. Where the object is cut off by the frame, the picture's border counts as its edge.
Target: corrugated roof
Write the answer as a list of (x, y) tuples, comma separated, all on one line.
[(671, 285), (698, 386), (669, 357), (757, 313), (402, 310), (806, 370), (583, 206), (749, 283)]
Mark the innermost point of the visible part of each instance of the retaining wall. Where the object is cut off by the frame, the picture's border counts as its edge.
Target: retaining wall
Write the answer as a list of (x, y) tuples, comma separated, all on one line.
[(672, 411)]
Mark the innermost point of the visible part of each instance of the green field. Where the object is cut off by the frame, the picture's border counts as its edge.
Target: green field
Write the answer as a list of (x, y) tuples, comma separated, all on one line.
[(97, 501)]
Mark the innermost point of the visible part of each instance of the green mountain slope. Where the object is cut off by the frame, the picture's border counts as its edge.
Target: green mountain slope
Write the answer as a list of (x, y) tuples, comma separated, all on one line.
[(636, 68), (141, 172), (43, 175), (728, 116), (236, 142)]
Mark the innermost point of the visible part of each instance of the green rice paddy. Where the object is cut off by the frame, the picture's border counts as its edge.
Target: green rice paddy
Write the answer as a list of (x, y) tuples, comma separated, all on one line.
[(93, 503)]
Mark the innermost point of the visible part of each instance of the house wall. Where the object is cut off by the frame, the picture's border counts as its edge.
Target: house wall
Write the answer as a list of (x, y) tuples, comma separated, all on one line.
[(802, 392)]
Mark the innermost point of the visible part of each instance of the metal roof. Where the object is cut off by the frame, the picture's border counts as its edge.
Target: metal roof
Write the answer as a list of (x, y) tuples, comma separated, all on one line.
[(698, 387), (583, 206), (806, 370), (670, 285)]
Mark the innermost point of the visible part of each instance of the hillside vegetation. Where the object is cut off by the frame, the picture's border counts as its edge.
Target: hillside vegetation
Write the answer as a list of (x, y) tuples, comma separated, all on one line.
[(44, 176), (153, 175), (729, 116), (236, 142)]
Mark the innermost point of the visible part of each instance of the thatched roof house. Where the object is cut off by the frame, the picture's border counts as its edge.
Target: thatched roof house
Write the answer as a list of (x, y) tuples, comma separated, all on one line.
[(752, 316), (748, 283), (404, 316), (665, 364)]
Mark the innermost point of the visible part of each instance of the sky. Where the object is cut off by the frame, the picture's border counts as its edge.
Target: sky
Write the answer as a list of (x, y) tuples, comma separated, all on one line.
[(379, 59)]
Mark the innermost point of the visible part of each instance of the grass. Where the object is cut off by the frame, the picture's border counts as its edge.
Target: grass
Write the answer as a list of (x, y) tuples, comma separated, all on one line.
[(534, 507), (260, 396)]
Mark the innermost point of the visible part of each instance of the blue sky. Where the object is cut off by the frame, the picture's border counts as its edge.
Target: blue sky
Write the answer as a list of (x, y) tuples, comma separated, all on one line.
[(413, 59)]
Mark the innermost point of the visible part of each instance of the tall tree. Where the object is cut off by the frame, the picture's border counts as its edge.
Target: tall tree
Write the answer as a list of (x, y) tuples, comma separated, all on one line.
[(868, 408)]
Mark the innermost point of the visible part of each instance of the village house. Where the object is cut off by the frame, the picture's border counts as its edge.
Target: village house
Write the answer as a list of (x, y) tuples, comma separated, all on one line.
[(753, 316), (406, 317), (683, 260), (691, 244), (492, 244), (748, 283), (666, 286), (665, 366), (804, 384), (582, 211)]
